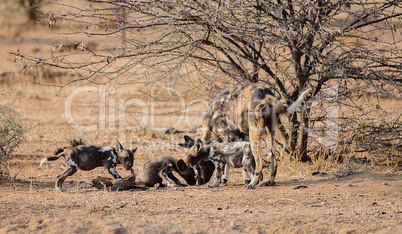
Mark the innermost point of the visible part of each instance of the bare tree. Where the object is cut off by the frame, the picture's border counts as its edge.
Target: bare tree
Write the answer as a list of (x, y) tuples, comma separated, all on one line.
[(32, 12), (289, 45)]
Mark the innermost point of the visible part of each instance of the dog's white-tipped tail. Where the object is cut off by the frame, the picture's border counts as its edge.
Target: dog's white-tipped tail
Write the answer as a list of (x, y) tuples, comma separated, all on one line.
[(45, 160), (296, 104)]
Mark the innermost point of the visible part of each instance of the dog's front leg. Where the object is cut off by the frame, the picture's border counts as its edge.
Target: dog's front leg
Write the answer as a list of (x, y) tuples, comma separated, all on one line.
[(218, 174), (198, 174), (225, 176), (246, 176), (111, 168), (166, 172), (255, 143), (176, 180)]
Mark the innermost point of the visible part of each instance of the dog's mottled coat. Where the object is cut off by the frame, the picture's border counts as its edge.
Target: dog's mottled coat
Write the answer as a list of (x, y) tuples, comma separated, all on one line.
[(223, 155), (162, 167), (88, 157), (247, 111)]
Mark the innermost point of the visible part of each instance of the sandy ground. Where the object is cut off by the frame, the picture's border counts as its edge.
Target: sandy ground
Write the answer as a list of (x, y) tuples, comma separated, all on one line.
[(365, 200), (358, 203)]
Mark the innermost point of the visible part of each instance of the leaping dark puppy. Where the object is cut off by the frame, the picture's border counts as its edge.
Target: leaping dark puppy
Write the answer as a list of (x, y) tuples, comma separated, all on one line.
[(89, 157)]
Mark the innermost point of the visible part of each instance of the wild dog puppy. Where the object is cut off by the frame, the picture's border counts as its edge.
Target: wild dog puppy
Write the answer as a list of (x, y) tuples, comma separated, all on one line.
[(88, 157), (247, 110), (162, 167), (203, 169), (223, 155)]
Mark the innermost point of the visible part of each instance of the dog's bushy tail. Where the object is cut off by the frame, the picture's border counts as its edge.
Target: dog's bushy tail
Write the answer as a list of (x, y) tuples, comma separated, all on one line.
[(54, 158), (282, 109)]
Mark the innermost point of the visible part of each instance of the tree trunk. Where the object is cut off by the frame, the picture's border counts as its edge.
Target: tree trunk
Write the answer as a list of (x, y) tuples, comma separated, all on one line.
[(32, 10), (293, 134), (302, 149)]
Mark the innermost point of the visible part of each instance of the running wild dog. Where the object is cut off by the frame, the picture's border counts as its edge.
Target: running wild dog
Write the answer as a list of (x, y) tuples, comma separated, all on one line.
[(223, 155), (88, 157), (252, 111), (162, 167)]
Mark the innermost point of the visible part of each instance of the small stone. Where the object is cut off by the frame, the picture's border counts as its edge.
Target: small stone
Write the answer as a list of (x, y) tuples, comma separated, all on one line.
[(248, 211), (300, 186), (120, 230), (355, 213), (219, 208)]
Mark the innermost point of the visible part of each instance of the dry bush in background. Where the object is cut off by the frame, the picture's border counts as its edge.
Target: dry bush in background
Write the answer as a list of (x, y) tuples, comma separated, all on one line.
[(342, 49), (11, 136)]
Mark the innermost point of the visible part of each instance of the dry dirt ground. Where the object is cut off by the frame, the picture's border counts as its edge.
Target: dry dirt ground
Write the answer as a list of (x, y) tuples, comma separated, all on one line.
[(358, 203), (360, 200), (357, 200)]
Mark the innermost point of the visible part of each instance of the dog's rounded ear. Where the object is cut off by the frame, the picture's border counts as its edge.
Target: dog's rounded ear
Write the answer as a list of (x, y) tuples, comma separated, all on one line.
[(188, 142), (199, 144), (181, 165), (133, 150), (119, 147), (188, 139)]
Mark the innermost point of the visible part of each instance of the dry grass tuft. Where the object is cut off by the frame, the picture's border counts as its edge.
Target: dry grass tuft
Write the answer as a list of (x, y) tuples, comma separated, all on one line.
[(91, 202)]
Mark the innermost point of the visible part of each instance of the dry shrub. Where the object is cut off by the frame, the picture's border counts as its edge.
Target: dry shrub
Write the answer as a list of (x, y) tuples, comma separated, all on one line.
[(11, 136), (377, 141)]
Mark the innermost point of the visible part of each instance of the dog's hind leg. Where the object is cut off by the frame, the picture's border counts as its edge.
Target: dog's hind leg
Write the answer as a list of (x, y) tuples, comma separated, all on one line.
[(274, 163), (72, 169)]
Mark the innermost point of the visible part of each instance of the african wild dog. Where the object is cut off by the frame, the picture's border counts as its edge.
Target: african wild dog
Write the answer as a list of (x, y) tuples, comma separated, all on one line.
[(204, 169), (154, 170), (223, 155), (249, 110), (88, 157)]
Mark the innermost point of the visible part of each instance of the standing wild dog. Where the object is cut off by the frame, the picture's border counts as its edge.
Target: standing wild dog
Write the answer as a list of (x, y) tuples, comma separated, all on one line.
[(223, 156), (249, 110), (154, 170), (88, 157)]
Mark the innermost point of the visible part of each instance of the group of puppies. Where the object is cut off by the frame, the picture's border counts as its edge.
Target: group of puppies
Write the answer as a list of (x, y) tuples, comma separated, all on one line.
[(235, 125), (161, 170)]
